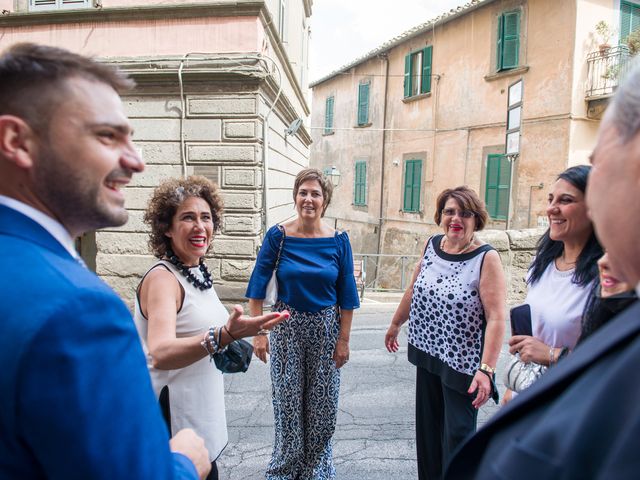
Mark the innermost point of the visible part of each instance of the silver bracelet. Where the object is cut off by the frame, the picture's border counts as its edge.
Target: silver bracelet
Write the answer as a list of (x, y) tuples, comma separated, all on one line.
[(551, 356)]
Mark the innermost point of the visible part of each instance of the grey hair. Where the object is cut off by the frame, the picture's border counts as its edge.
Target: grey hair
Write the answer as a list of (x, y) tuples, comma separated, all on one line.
[(626, 104), (180, 195)]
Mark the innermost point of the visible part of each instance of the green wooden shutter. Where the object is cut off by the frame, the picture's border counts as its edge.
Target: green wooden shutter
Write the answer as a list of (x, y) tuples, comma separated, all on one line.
[(493, 174), (625, 20), (504, 184), (360, 184), (500, 42), (498, 181), (425, 83), (363, 104), (511, 40), (412, 184), (408, 181), (417, 178), (407, 76), (328, 115), (635, 18), (629, 19)]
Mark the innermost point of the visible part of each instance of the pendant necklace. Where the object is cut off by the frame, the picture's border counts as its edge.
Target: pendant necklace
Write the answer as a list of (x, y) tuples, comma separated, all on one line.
[(444, 241), (186, 272)]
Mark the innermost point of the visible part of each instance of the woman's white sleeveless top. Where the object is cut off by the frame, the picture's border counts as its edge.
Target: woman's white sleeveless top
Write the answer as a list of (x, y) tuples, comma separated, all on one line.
[(196, 392)]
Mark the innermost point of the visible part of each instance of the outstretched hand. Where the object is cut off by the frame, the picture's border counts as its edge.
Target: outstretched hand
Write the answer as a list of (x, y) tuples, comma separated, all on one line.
[(240, 326)]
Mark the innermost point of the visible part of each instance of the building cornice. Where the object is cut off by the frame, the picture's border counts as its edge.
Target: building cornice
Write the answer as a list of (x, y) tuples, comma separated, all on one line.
[(219, 67), (276, 43), (165, 70), (119, 14), (219, 8), (307, 7)]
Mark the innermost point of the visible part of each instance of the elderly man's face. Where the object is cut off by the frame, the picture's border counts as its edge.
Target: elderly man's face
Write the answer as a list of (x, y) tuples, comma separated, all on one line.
[(613, 198)]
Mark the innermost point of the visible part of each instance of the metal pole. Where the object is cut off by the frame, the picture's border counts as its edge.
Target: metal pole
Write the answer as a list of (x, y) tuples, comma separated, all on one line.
[(512, 162)]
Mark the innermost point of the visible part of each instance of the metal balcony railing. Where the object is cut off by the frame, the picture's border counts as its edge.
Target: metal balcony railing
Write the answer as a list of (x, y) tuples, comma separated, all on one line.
[(383, 272), (605, 69)]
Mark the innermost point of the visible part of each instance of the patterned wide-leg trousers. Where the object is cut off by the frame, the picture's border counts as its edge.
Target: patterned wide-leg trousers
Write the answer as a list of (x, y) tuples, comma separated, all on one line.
[(305, 388)]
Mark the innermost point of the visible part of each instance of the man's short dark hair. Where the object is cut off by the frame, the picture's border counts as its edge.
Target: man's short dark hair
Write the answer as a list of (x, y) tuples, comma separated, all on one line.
[(32, 80)]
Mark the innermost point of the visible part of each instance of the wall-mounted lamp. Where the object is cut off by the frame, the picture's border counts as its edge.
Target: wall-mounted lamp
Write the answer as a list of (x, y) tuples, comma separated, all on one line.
[(293, 128), (334, 175)]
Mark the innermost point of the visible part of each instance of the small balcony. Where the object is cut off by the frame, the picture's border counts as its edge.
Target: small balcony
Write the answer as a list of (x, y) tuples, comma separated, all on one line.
[(604, 71)]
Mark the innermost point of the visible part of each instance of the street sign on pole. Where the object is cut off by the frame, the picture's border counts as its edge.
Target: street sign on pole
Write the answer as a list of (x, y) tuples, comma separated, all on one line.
[(514, 118), (512, 138)]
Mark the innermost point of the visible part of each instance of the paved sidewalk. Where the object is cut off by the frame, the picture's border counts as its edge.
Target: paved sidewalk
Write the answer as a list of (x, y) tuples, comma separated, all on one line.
[(375, 434)]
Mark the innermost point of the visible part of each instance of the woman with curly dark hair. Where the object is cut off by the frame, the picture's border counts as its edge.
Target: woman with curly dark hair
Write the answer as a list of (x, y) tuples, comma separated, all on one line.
[(180, 318)]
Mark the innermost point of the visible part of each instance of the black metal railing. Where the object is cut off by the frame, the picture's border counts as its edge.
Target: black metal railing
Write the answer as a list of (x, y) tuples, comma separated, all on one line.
[(605, 68)]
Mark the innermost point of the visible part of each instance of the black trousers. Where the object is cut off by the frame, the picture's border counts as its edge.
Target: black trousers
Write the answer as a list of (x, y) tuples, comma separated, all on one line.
[(444, 418), (165, 406)]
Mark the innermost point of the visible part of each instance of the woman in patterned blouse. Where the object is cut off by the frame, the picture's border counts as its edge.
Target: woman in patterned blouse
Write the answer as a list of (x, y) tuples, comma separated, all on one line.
[(456, 311)]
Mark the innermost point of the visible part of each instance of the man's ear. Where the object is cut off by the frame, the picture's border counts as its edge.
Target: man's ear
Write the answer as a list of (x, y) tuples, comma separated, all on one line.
[(17, 141)]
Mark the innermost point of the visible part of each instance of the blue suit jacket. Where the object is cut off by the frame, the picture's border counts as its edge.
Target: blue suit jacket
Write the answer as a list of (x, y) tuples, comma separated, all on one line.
[(75, 396), (581, 420)]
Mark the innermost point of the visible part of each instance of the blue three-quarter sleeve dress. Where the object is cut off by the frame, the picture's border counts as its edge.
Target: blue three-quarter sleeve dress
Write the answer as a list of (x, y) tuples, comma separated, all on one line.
[(315, 282)]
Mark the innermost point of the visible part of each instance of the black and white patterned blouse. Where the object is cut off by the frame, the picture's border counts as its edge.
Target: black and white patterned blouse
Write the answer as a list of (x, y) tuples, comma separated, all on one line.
[(446, 320)]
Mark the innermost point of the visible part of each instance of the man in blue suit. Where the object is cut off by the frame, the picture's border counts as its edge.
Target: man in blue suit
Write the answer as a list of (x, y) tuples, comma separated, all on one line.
[(581, 420), (76, 398)]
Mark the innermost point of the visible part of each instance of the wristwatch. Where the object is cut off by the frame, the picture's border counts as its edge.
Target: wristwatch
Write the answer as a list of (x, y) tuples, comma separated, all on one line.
[(490, 372), (487, 369)]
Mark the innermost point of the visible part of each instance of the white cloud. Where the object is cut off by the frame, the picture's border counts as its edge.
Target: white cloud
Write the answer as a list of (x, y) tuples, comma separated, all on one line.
[(343, 30)]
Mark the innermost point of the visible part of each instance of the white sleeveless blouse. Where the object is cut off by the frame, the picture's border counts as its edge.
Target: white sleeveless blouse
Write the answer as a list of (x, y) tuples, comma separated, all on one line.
[(196, 392)]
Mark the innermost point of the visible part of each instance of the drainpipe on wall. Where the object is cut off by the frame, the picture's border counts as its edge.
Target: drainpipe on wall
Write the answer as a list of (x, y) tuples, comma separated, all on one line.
[(385, 57), (265, 156)]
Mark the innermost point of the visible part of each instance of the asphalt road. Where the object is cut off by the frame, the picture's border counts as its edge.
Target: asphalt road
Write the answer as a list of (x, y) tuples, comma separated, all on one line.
[(375, 433)]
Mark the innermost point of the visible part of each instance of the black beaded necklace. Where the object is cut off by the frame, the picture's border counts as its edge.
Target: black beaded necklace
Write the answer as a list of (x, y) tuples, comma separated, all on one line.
[(205, 284)]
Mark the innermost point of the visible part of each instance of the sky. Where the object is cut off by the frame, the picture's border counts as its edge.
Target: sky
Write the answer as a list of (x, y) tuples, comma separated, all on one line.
[(343, 30)]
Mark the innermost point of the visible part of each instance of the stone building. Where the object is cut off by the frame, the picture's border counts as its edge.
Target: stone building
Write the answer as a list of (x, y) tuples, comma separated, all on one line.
[(218, 83), (427, 110)]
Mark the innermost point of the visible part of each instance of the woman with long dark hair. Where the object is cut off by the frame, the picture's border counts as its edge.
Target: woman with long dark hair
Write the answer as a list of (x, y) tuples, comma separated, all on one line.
[(562, 273)]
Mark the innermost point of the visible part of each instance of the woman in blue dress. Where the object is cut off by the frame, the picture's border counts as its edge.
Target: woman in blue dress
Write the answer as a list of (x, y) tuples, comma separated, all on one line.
[(317, 287)]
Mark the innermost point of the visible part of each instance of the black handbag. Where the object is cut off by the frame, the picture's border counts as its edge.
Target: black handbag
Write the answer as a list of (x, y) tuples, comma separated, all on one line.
[(235, 358)]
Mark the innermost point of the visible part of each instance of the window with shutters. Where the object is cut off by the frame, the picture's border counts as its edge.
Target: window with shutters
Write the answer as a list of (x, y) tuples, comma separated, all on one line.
[(412, 184), (40, 5), (508, 48), (629, 19), (363, 103), (328, 116), (417, 72), (360, 183), (498, 174)]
